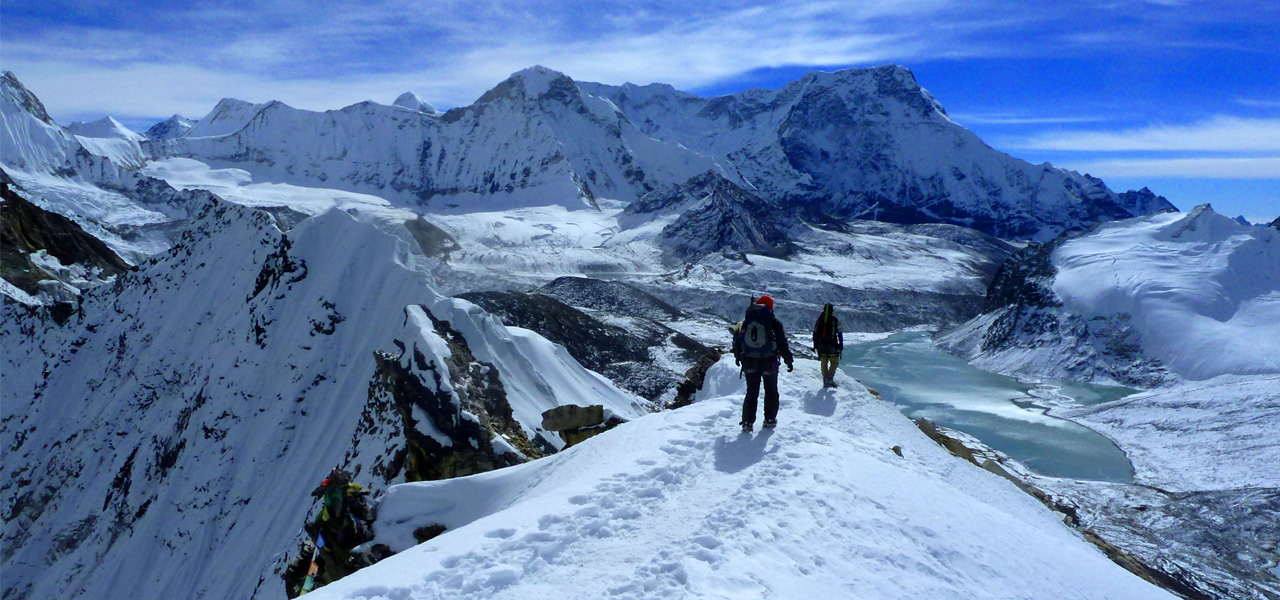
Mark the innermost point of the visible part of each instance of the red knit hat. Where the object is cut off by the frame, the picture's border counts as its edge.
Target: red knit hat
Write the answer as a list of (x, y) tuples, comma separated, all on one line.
[(766, 300)]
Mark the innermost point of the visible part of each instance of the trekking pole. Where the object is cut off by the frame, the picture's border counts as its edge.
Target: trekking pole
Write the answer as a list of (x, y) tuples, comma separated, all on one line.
[(309, 583)]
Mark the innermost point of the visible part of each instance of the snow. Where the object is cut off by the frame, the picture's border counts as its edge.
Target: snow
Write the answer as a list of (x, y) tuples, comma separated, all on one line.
[(238, 186), (679, 505), (216, 404), (227, 117), (1217, 434), (97, 211), (13, 294), (410, 101), (106, 127), (1202, 290)]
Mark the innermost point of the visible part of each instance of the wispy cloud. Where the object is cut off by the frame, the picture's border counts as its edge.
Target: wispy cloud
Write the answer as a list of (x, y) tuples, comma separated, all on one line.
[(149, 60), (1184, 168), (1221, 133), (1258, 102), (1022, 119)]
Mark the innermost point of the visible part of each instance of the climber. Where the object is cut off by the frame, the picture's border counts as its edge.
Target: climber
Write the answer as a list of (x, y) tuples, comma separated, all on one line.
[(759, 346), (342, 525), (828, 342)]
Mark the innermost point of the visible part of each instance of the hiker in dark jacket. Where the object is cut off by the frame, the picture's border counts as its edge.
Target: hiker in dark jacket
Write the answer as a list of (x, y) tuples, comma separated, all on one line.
[(759, 346), (343, 524), (828, 342)]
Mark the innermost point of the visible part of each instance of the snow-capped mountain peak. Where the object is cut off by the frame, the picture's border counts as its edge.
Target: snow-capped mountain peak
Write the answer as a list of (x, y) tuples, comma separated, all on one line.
[(19, 96), (173, 127), (228, 116), (106, 127), (410, 101), (538, 80)]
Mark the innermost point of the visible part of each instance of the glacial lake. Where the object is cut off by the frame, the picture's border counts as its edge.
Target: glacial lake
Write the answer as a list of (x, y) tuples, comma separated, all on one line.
[(925, 382)]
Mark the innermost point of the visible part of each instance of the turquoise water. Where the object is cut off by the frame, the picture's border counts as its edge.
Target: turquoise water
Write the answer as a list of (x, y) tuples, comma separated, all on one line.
[(925, 382)]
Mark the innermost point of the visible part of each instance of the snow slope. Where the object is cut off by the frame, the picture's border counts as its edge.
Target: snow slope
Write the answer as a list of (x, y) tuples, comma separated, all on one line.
[(857, 143), (106, 127), (872, 143), (679, 505), (162, 440), (1203, 291), (1217, 434), (92, 180), (1153, 299)]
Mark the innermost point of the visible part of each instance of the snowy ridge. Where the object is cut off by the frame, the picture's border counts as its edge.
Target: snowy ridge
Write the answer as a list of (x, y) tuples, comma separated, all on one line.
[(411, 101), (93, 180), (211, 417), (535, 139), (678, 505), (106, 127), (871, 143), (175, 126), (857, 143)]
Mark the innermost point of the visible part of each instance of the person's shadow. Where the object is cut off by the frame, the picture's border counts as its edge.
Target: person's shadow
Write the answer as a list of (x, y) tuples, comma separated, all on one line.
[(733, 455), (822, 403)]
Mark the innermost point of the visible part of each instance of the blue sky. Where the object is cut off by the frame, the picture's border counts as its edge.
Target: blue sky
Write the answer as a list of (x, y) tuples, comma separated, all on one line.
[(1182, 96)]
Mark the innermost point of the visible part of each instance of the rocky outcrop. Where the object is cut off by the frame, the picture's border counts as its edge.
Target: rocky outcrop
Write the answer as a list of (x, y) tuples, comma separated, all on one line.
[(624, 355), (578, 423), (27, 230), (448, 413), (717, 216), (612, 297), (1023, 313), (432, 240), (173, 127)]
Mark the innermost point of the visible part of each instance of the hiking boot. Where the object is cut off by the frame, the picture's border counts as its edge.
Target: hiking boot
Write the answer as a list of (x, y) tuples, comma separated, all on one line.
[(747, 427), (770, 423)]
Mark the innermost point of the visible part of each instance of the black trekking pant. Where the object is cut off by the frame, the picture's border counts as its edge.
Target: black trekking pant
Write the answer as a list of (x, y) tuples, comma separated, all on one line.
[(770, 378)]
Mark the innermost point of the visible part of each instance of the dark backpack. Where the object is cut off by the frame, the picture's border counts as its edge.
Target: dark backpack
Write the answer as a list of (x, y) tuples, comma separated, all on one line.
[(757, 333)]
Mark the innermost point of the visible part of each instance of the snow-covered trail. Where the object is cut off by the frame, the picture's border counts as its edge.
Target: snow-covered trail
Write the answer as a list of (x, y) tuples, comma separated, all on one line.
[(680, 505)]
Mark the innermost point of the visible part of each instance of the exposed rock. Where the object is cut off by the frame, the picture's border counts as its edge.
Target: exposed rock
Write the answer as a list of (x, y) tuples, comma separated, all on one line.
[(564, 418), (717, 215), (423, 534), (623, 354), (432, 240), (173, 127), (410, 386), (952, 445), (578, 423), (694, 378), (26, 229), (612, 297)]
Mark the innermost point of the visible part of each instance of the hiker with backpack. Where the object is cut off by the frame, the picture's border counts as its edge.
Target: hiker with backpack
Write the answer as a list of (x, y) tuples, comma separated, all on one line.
[(828, 342), (343, 524), (759, 347)]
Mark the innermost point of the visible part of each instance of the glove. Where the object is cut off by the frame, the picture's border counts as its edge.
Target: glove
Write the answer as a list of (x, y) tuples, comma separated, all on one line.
[(737, 361), (790, 366)]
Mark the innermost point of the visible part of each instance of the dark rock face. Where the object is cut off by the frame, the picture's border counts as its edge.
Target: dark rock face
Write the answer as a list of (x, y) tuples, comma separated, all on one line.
[(617, 353), (610, 296), (432, 240), (27, 100), (1029, 315), (718, 216), (173, 127), (1026, 279), (411, 385), (1275, 224), (26, 228)]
